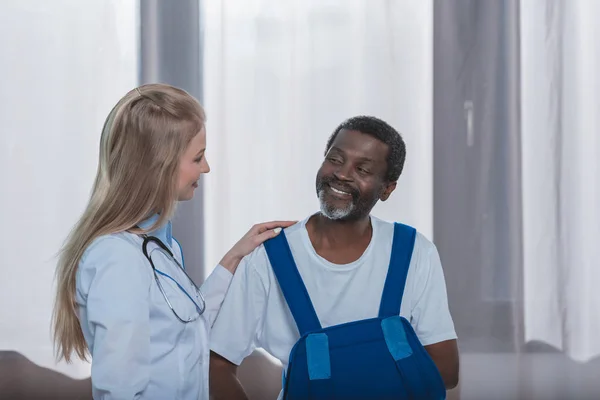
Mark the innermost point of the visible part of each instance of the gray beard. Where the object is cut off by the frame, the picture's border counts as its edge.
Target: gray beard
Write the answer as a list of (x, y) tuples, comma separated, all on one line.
[(334, 213)]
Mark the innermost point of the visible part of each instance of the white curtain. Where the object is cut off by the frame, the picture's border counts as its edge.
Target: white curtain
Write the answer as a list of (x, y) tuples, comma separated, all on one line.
[(279, 76), (64, 65), (560, 60)]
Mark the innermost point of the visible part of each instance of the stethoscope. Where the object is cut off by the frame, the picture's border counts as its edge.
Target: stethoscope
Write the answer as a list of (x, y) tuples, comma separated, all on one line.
[(165, 249)]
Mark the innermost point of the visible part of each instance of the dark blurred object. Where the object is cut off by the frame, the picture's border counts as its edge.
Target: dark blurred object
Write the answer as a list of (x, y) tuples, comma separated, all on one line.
[(20, 379)]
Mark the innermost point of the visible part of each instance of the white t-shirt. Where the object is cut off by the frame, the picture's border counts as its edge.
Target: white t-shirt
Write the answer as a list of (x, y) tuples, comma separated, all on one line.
[(255, 314)]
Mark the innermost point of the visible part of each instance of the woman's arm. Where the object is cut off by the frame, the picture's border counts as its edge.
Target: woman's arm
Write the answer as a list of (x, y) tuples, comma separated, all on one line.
[(116, 285), (256, 236), (214, 289), (216, 285)]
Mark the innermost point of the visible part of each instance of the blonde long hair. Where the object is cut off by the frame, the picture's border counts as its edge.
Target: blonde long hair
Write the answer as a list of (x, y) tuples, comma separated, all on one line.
[(142, 141)]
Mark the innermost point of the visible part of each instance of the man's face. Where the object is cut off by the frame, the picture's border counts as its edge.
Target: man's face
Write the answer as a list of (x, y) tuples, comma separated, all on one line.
[(352, 177)]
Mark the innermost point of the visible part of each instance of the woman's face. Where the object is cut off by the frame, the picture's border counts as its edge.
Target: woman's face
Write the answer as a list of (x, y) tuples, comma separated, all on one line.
[(192, 164)]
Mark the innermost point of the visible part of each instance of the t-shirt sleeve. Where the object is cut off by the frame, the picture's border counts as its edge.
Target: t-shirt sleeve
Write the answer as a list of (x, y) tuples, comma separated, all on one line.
[(235, 332), (430, 315)]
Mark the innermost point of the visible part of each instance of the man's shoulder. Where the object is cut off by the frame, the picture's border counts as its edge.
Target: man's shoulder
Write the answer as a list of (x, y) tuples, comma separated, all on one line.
[(294, 231), (422, 243), (258, 260)]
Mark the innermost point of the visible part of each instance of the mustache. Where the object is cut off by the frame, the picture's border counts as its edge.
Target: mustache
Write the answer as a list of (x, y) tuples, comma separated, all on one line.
[(326, 181)]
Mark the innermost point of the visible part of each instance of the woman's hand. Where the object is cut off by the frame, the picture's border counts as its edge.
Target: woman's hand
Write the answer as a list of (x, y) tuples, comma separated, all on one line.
[(251, 240)]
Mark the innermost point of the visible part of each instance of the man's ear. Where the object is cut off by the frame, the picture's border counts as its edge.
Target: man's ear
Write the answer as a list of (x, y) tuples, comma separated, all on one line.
[(387, 191)]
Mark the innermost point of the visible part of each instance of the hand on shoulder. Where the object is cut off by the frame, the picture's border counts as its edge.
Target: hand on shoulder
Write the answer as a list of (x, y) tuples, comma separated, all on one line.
[(256, 236)]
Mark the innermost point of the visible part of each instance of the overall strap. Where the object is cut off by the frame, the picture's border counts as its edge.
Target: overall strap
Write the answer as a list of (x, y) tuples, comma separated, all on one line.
[(402, 248), (292, 286)]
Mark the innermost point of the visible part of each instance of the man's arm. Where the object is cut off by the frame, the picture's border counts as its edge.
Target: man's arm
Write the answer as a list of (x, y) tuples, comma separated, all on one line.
[(224, 384), (234, 333), (431, 315), (445, 357)]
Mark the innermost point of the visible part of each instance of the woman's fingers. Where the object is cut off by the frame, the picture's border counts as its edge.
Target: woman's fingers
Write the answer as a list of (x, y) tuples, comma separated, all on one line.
[(265, 226), (251, 240), (262, 237)]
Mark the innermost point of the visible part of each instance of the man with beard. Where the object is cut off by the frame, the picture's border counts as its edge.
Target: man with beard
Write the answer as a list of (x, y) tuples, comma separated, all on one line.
[(342, 255)]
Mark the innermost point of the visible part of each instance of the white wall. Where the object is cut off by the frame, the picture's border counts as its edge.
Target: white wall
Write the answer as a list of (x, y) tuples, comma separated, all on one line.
[(281, 75), (64, 64)]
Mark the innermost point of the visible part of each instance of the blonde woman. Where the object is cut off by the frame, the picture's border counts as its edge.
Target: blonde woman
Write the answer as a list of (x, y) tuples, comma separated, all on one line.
[(123, 295)]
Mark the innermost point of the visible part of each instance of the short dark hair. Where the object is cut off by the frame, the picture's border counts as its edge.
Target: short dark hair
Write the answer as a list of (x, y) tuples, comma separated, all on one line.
[(384, 132)]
